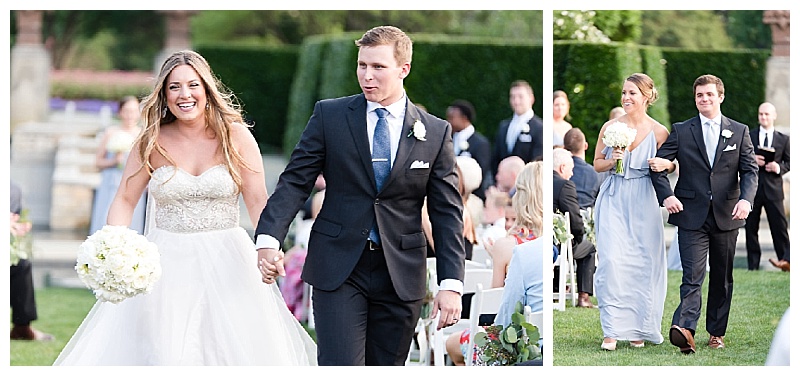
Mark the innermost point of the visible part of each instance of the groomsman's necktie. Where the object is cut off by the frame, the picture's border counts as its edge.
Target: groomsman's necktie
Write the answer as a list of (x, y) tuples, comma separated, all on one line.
[(711, 135), (381, 158), (766, 140)]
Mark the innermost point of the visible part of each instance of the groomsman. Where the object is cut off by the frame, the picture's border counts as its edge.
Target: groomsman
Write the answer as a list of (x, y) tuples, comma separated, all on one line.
[(467, 141), (769, 196), (711, 200), (521, 135)]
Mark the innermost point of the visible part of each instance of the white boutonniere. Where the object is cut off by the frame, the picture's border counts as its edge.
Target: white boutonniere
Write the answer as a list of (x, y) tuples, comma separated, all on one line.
[(464, 145), (418, 131), (726, 134), (526, 128)]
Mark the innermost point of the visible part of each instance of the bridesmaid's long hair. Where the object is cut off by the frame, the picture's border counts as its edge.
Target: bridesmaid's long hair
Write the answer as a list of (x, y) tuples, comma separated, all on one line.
[(527, 200), (222, 110)]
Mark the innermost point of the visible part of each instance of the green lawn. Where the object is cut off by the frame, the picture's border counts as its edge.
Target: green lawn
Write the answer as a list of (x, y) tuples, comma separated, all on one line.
[(759, 300)]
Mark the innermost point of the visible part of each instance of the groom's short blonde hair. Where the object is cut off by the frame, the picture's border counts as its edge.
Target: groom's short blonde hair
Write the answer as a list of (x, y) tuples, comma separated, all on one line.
[(389, 36)]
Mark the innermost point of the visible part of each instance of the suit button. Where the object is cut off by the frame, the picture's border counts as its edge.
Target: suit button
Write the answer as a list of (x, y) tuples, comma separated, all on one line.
[(377, 201), (712, 174), (364, 232), (709, 193)]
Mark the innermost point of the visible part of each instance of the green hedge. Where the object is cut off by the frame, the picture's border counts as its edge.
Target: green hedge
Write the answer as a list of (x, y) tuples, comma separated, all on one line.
[(261, 78), (443, 69), (593, 74)]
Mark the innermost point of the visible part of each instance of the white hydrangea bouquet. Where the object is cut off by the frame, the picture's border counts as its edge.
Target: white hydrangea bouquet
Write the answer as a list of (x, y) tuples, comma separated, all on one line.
[(120, 142), (619, 135), (117, 263)]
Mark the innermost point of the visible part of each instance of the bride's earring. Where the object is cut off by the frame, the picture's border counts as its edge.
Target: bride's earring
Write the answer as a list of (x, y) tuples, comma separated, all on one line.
[(164, 113)]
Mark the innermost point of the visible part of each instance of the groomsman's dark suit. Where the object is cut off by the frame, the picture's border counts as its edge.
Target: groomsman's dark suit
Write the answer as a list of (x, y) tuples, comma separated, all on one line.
[(769, 196), (481, 151), (340, 261), (706, 228), (527, 146)]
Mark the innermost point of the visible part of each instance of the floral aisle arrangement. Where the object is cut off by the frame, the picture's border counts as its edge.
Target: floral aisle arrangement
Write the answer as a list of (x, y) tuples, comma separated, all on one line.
[(588, 223), (560, 234), (515, 343), (117, 263), (619, 136), (21, 241)]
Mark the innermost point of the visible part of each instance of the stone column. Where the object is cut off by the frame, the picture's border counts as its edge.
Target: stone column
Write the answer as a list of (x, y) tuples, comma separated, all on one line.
[(30, 70), (178, 34), (778, 90)]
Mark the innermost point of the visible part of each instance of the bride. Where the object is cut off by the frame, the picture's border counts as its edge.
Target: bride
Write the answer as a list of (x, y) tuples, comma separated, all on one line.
[(210, 307)]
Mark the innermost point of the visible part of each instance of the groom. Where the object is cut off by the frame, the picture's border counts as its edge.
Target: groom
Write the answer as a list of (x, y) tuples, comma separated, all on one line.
[(712, 198), (381, 157)]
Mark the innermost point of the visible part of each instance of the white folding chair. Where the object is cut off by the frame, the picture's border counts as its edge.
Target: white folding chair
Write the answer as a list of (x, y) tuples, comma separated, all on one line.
[(469, 264), (472, 279), (480, 255), (485, 301), (566, 273), (535, 318)]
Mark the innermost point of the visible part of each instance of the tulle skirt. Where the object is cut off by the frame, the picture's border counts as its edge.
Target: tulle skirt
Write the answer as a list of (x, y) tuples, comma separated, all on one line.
[(209, 308)]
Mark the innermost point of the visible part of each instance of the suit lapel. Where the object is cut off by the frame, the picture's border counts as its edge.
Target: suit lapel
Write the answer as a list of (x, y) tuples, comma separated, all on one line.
[(357, 123), (406, 143), (726, 124), (697, 131)]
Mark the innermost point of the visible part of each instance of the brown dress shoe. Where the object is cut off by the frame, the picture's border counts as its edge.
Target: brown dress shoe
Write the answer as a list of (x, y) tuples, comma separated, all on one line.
[(27, 333), (682, 338), (584, 301), (780, 264), (716, 342)]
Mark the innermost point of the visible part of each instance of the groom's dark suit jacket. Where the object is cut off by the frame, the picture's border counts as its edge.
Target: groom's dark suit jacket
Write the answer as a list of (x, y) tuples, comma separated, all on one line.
[(733, 177), (335, 142)]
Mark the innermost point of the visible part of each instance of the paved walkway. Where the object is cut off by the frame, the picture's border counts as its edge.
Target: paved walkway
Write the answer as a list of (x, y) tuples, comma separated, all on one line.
[(55, 251)]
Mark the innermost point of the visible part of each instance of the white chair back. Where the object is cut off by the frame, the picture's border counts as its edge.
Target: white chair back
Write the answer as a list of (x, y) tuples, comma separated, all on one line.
[(566, 269)]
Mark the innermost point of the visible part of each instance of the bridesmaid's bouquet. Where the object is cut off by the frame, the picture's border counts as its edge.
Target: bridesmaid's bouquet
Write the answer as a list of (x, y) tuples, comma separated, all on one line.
[(120, 142), (117, 263), (619, 135)]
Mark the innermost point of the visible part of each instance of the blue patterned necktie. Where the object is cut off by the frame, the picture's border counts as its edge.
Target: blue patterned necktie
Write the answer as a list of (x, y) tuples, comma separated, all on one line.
[(381, 158), (711, 139)]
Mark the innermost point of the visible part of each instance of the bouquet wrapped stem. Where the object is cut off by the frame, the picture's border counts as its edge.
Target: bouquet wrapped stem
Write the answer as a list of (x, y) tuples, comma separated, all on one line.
[(618, 165)]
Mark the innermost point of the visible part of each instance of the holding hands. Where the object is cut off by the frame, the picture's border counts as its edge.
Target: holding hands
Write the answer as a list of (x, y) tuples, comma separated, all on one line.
[(270, 264)]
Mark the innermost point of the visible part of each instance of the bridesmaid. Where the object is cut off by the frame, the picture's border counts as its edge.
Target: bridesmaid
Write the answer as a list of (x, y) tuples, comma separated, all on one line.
[(110, 159)]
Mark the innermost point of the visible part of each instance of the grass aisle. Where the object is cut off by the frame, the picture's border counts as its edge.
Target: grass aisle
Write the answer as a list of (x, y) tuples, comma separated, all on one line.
[(759, 300)]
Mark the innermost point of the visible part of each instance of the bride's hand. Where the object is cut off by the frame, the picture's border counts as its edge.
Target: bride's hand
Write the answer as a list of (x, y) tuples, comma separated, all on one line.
[(270, 264)]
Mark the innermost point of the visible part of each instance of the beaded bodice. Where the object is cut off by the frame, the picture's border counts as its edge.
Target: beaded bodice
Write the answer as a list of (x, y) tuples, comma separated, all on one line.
[(187, 203)]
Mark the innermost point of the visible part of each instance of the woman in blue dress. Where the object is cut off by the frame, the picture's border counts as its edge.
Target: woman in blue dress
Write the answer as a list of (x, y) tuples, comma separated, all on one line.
[(112, 153), (631, 277)]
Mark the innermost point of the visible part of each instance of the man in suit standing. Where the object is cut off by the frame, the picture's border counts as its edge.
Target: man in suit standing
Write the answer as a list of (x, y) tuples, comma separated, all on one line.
[(23, 301), (712, 198), (587, 184), (565, 199), (467, 141), (769, 195), (521, 135), (381, 157)]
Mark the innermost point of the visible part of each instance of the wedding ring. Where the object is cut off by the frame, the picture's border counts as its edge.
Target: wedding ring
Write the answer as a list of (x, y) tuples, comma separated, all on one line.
[(276, 258)]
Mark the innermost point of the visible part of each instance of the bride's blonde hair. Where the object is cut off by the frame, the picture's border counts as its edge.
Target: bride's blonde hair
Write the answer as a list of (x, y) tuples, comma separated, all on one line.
[(222, 111)]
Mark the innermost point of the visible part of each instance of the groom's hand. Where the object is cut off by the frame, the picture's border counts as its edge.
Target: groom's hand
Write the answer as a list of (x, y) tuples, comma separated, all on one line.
[(673, 205), (448, 304), (741, 210), (270, 263)]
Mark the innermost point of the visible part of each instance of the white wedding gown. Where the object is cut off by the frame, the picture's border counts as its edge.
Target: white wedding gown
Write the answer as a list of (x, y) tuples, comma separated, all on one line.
[(210, 306)]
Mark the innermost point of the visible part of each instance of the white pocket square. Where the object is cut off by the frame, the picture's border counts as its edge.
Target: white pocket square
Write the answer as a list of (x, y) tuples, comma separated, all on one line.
[(730, 147), (419, 164)]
